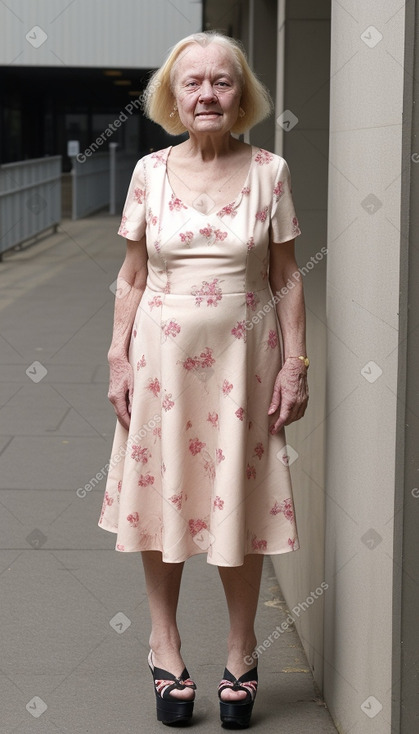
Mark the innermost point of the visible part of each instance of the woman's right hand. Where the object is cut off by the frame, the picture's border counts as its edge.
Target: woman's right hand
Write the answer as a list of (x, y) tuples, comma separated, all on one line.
[(121, 386)]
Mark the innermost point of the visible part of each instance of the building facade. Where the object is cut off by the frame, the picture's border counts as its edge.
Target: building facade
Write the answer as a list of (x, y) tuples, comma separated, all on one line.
[(67, 70)]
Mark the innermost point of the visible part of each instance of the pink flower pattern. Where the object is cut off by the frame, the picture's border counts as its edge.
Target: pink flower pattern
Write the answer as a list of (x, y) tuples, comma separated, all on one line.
[(209, 468), (212, 234), (272, 341), (213, 419), (170, 328), (152, 217), (139, 195), (167, 402), (252, 300), (209, 292), (286, 507), (186, 237), (295, 227), (262, 214), (155, 302), (228, 210), (195, 526), (259, 450), (107, 502), (218, 503), (177, 499), (250, 472), (278, 190), (192, 368), (159, 159), (140, 454), (176, 204), (196, 446), (154, 386), (240, 413), (205, 359), (227, 387), (134, 519), (259, 545), (145, 480), (239, 330), (263, 157), (123, 230)]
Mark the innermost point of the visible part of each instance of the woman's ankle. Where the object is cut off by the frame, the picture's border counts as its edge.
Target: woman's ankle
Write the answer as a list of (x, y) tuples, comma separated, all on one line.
[(241, 657)]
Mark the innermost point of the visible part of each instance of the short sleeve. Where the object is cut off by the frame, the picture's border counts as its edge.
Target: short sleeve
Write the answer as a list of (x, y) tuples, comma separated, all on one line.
[(284, 222), (133, 222)]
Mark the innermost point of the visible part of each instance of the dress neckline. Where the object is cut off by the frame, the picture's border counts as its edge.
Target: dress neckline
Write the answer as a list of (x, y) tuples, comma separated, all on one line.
[(229, 205)]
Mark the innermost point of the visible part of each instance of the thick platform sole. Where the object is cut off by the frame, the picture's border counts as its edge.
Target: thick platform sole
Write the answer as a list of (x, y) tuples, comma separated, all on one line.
[(235, 715), (178, 713)]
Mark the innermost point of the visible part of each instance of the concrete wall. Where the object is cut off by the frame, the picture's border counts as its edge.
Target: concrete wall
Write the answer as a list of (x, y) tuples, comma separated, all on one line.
[(134, 33), (362, 334), (303, 89), (406, 538)]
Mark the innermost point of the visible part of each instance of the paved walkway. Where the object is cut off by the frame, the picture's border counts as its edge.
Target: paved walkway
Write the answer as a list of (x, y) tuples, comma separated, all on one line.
[(74, 617)]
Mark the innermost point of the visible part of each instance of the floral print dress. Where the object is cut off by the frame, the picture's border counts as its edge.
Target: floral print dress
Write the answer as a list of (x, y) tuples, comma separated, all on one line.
[(200, 471)]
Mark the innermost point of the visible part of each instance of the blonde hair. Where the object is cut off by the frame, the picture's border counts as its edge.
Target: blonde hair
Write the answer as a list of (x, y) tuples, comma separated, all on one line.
[(159, 98)]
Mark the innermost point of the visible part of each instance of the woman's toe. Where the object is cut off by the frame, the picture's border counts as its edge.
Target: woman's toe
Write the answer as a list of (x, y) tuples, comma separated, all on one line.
[(187, 694), (229, 695)]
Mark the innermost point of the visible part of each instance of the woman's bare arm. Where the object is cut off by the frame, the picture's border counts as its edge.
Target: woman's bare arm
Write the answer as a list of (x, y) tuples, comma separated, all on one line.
[(290, 393), (131, 283)]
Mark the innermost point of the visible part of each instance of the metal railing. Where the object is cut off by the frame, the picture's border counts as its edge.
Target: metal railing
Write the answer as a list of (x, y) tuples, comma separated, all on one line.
[(30, 199), (90, 185), (101, 181)]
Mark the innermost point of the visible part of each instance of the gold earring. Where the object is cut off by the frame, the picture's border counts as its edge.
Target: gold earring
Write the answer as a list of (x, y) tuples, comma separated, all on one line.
[(241, 112), (173, 112)]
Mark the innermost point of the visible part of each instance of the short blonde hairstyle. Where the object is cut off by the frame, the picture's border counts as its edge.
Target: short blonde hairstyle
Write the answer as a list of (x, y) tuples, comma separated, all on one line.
[(159, 98)]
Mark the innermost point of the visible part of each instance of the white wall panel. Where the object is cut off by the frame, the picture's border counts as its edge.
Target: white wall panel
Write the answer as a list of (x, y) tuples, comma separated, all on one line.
[(365, 165), (97, 33)]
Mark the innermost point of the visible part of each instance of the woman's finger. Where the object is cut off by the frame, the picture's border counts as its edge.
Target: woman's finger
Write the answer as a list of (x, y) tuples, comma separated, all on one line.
[(121, 411)]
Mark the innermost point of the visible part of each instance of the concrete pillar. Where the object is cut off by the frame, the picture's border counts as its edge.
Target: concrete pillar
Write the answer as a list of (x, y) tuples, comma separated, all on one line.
[(302, 99), (364, 240)]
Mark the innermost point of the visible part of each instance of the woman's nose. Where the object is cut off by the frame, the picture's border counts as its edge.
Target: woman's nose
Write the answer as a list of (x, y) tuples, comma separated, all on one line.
[(206, 92)]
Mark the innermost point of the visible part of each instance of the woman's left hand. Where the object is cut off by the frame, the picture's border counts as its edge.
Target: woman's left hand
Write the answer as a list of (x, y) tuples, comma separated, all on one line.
[(290, 394)]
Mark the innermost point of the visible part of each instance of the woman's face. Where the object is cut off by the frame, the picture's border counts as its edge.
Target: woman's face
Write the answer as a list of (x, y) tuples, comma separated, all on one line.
[(207, 89)]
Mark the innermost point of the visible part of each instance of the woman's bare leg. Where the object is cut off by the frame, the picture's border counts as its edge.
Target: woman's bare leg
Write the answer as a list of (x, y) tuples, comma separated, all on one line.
[(163, 585), (241, 587)]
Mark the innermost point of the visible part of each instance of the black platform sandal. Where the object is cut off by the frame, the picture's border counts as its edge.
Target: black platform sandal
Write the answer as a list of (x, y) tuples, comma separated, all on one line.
[(171, 710), (236, 714)]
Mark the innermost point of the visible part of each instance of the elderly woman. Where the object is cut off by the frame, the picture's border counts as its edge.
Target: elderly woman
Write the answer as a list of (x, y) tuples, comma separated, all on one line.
[(207, 361)]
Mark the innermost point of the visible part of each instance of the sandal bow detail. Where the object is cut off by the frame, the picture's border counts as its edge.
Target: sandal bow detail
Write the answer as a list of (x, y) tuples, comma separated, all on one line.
[(236, 714), (171, 710)]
